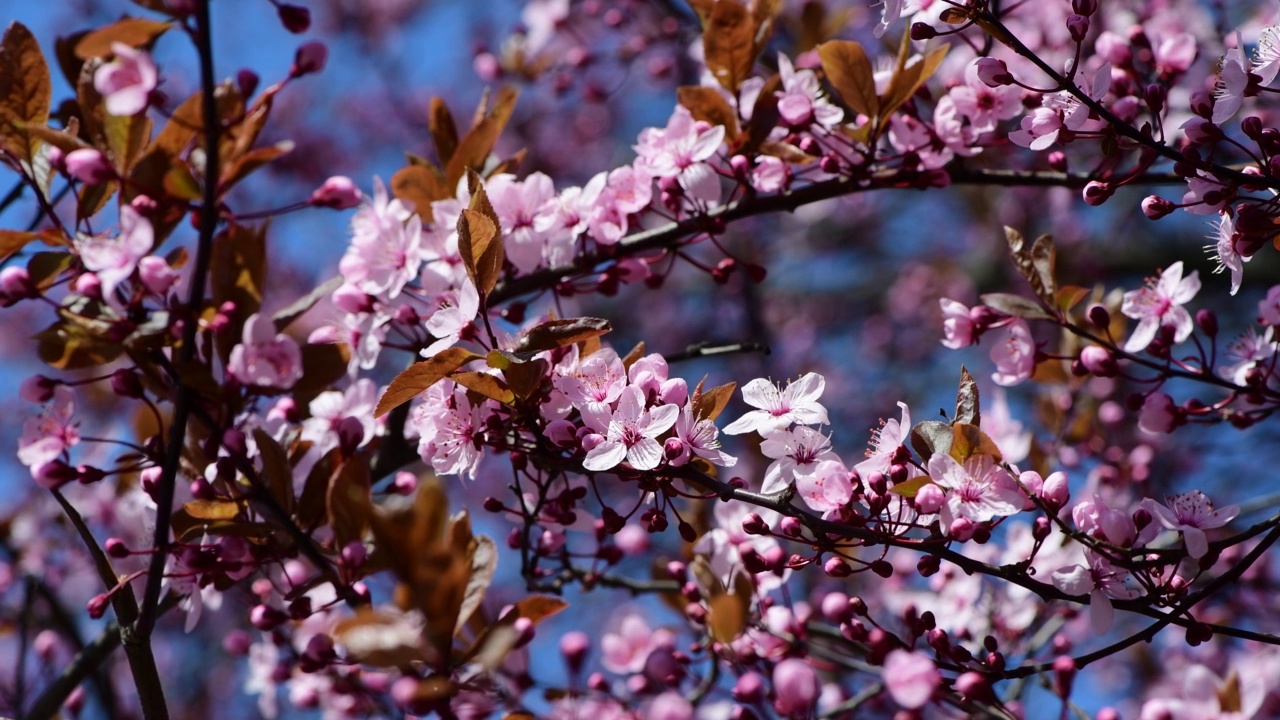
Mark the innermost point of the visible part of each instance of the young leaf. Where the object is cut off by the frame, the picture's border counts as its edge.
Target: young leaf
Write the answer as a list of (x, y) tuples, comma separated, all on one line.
[(1036, 263), (850, 72), (134, 32), (929, 437), (443, 131), (909, 488), (25, 91), (420, 376), (1015, 305), (481, 249), (908, 79), (420, 185), (728, 43), (705, 104), (474, 147), (967, 407), (484, 563), (277, 473), (968, 440), (487, 385), (558, 333), (636, 353), (708, 405), (348, 501)]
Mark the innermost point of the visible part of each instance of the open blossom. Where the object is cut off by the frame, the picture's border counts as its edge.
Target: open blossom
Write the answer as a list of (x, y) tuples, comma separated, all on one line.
[(448, 427), (800, 101), (827, 488), (1223, 249), (626, 650), (794, 452), (699, 437), (265, 358), (631, 434), (911, 678), (330, 409), (48, 436), (984, 105), (452, 311), (1246, 352), (957, 324), (798, 403), (1233, 79), (978, 490), (518, 204), (679, 150), (592, 383), (386, 246), (1191, 513), (1101, 581), (1014, 353), (1205, 696), (1061, 111), (1159, 304), (126, 82), (113, 260), (885, 441)]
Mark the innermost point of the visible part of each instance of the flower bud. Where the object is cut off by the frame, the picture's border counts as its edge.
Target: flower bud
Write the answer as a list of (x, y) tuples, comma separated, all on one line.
[(1099, 316), (1096, 193), (749, 689), (993, 72), (37, 389), (1156, 207), (89, 165), (310, 58), (753, 524), (1099, 361), (97, 605), (795, 686), (929, 499), (338, 192), (295, 19), (837, 568)]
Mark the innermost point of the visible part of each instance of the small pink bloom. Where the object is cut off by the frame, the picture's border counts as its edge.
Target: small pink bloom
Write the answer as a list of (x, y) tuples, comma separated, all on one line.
[(1159, 414), (1233, 79), (770, 175), (957, 325), (1159, 304), (911, 678), (798, 403), (156, 275), (794, 452), (700, 438), (114, 259), (386, 246), (885, 441), (626, 650), (1101, 581), (827, 488), (631, 434), (265, 358), (978, 490), (795, 685), (1191, 513), (127, 81), (45, 438), (1014, 354)]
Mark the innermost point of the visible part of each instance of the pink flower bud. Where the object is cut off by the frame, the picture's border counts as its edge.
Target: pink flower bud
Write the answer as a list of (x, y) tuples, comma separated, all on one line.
[(1056, 490), (670, 706), (157, 277), (1099, 361), (1159, 414), (962, 529), (37, 389), (310, 58), (836, 567), (405, 483), (929, 499), (1078, 26), (97, 606), (911, 678), (486, 66), (993, 72), (15, 282), (53, 475), (338, 192), (89, 165), (1156, 207), (574, 646), (795, 686), (674, 391), (749, 688), (1096, 193), (295, 19), (562, 433), (835, 607)]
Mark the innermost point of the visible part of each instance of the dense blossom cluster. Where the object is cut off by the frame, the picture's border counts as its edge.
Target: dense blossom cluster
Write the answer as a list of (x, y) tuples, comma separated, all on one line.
[(931, 575)]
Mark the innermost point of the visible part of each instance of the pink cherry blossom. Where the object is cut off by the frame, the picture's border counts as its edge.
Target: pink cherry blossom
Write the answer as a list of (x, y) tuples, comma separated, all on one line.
[(1101, 581), (45, 438), (386, 246), (827, 488), (679, 150), (1233, 78), (1160, 304), (885, 442), (798, 403), (1014, 354), (127, 81), (892, 11), (264, 357), (911, 678), (1062, 111), (983, 104), (801, 101), (1205, 696), (113, 260), (1191, 513), (794, 452), (630, 435), (1223, 249), (978, 490), (448, 426), (452, 311), (626, 650), (329, 409), (796, 686), (957, 324), (1247, 352), (517, 204), (700, 438), (592, 383), (1266, 57)]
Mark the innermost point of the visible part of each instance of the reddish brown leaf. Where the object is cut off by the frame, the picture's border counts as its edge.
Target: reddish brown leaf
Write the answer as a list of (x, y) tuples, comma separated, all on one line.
[(704, 103), (443, 131), (481, 249), (849, 71), (422, 375), (474, 147), (420, 185), (134, 32), (348, 501), (558, 333), (708, 405), (11, 241), (25, 91), (487, 385)]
